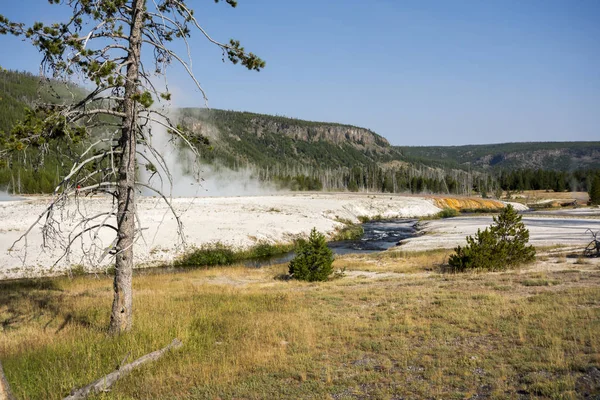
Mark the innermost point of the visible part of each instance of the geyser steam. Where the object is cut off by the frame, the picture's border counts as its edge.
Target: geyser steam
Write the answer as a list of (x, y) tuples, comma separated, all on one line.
[(190, 179)]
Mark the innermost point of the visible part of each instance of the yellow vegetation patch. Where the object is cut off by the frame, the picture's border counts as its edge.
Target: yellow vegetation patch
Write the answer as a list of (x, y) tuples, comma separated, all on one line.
[(467, 203)]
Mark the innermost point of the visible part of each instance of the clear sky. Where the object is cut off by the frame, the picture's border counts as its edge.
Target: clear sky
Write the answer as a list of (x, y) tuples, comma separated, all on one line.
[(443, 72)]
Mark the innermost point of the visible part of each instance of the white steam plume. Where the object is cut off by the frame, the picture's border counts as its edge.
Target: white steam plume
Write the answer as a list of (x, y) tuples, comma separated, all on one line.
[(190, 179), (4, 196)]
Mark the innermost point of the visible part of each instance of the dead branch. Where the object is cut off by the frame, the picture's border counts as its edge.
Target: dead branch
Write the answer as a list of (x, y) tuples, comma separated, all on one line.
[(169, 204), (593, 248), (104, 383), (96, 169)]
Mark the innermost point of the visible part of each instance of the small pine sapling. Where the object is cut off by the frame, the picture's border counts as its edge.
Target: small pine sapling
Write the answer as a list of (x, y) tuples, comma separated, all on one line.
[(313, 260)]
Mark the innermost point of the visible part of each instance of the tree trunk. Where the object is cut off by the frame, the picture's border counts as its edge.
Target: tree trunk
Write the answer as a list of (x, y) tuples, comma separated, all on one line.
[(121, 315)]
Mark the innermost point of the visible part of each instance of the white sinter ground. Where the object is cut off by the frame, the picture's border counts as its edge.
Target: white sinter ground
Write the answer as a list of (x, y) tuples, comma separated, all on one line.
[(563, 227), (242, 222), (236, 221)]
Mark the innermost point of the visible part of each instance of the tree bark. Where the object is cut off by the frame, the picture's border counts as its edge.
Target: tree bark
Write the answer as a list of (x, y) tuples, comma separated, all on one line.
[(121, 315)]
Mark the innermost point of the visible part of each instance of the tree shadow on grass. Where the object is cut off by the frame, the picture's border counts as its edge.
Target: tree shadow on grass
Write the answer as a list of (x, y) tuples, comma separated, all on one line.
[(26, 300), (29, 284)]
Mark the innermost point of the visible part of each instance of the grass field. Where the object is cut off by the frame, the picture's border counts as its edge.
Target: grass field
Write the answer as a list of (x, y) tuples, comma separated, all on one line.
[(393, 327)]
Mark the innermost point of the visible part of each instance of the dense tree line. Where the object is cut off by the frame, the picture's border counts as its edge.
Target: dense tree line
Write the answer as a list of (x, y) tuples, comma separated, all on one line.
[(539, 179), (374, 178), (423, 179)]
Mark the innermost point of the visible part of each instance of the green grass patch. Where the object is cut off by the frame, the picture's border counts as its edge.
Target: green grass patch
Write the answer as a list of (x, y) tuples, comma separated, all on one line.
[(265, 250), (208, 255), (440, 337), (375, 218), (348, 232), (445, 213), (480, 210), (219, 254), (539, 282)]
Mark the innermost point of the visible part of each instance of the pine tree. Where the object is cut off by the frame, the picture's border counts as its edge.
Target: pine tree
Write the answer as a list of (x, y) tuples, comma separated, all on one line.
[(498, 247), (117, 47), (313, 261), (594, 191), (512, 237)]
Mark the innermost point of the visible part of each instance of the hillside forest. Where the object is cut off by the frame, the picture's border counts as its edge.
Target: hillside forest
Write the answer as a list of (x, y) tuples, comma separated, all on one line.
[(299, 155)]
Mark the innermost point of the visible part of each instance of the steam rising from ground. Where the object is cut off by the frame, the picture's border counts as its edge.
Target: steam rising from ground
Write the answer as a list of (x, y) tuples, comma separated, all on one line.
[(189, 178), (5, 196)]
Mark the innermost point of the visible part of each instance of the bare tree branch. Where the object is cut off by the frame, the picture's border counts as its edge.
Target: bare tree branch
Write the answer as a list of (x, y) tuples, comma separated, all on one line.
[(103, 384)]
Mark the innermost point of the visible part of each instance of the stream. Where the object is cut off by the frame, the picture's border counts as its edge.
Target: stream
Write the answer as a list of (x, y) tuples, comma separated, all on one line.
[(378, 236)]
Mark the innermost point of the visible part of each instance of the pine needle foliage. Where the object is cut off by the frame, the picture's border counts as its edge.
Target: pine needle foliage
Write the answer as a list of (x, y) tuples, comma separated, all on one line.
[(313, 261), (594, 191), (496, 248)]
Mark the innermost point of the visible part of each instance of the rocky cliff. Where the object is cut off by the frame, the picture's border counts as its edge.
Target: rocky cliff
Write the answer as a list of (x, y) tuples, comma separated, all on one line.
[(238, 124), (337, 134)]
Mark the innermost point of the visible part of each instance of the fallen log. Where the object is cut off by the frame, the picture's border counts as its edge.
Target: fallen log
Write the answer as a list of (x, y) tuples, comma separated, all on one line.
[(5, 393), (104, 383)]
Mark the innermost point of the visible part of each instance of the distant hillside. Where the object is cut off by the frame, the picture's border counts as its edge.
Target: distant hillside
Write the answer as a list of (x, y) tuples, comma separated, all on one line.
[(306, 155), (21, 90), (243, 137), (336, 156), (262, 140), (556, 156)]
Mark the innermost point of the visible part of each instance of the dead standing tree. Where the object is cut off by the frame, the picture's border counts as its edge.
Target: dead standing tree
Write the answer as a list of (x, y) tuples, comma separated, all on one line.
[(111, 44)]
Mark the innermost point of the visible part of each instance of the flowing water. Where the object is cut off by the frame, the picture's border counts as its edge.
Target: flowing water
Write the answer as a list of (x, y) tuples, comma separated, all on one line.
[(378, 236)]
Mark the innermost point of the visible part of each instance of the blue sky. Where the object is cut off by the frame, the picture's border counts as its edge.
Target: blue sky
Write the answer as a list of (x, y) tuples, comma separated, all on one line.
[(417, 72)]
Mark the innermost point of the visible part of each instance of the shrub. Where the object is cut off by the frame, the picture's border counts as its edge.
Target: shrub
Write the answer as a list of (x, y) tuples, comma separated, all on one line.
[(77, 270), (313, 260), (445, 213), (448, 213), (349, 232), (484, 210), (219, 254), (365, 218), (264, 249), (207, 256), (502, 245)]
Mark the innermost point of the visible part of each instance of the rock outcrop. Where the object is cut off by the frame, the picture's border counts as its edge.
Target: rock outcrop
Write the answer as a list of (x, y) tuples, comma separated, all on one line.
[(314, 132)]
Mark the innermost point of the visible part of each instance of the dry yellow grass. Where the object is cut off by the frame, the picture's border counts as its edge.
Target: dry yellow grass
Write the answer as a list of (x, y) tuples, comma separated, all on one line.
[(395, 260), (248, 334), (541, 196)]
